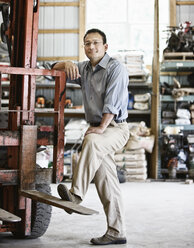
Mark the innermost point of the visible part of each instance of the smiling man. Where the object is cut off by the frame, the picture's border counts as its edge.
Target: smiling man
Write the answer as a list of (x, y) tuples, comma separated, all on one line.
[(104, 83)]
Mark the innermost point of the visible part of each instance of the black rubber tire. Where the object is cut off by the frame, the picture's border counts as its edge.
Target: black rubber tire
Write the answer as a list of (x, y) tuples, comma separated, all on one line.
[(41, 215)]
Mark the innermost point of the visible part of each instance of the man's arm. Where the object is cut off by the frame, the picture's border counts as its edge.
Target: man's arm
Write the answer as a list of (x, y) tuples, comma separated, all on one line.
[(106, 120), (70, 69)]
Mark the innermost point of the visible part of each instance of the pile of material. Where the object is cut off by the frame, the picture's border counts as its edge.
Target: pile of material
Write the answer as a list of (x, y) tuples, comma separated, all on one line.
[(183, 117), (134, 162), (132, 157), (142, 101), (75, 130), (134, 62)]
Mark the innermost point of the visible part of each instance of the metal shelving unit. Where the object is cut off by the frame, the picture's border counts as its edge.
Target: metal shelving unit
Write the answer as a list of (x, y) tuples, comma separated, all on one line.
[(178, 65), (140, 87), (169, 98), (168, 67)]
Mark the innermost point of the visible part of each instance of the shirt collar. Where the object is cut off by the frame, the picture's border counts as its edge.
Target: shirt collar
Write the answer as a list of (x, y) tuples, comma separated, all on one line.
[(103, 62)]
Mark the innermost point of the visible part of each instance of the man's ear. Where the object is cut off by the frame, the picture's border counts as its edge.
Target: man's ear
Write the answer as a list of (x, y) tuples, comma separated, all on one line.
[(106, 47)]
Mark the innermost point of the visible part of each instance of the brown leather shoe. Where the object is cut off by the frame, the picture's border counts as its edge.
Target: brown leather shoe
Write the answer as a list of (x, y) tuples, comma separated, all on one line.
[(108, 240), (66, 195)]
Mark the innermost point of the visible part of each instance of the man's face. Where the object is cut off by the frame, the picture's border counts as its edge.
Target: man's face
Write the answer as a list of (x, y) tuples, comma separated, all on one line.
[(94, 47)]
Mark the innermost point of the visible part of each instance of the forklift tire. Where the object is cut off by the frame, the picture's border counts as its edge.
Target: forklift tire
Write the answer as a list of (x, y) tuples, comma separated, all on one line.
[(41, 215)]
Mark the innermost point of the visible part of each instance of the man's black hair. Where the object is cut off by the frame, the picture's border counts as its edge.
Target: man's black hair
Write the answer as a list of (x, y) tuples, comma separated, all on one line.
[(95, 30)]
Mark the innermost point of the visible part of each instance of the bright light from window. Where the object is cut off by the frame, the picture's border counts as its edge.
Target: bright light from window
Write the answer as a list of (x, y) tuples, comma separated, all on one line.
[(128, 25)]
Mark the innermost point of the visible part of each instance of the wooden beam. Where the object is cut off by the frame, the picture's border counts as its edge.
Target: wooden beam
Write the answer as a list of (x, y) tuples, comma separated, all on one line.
[(57, 31), (48, 4), (82, 28), (155, 95), (184, 2), (74, 58), (172, 11), (58, 148), (28, 148), (8, 217), (54, 201)]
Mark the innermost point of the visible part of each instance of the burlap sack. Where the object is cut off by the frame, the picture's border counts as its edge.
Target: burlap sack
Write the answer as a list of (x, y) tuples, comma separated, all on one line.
[(138, 142)]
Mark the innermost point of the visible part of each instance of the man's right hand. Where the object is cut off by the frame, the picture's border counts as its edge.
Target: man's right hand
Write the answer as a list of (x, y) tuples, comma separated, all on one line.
[(70, 69)]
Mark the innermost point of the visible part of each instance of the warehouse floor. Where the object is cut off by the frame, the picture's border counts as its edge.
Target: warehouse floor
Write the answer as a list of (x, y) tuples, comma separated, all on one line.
[(158, 215)]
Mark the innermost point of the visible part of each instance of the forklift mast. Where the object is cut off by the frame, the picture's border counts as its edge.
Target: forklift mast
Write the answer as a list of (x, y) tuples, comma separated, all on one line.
[(20, 180)]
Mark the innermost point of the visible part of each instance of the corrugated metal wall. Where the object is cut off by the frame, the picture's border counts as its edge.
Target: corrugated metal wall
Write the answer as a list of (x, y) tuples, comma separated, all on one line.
[(58, 17), (185, 13), (64, 43)]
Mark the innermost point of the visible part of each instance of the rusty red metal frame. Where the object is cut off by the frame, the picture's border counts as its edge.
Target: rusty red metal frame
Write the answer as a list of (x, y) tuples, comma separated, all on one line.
[(60, 85), (5, 1), (23, 35), (11, 138)]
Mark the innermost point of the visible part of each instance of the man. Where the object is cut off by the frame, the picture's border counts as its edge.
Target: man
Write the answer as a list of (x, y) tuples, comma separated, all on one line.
[(104, 84)]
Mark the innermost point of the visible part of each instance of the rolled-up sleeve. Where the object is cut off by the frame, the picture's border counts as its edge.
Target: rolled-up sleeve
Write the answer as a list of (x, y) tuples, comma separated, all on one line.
[(116, 95)]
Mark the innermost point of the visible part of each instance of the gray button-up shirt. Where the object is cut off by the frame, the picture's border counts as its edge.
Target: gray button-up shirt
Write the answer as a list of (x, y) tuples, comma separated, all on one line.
[(104, 89)]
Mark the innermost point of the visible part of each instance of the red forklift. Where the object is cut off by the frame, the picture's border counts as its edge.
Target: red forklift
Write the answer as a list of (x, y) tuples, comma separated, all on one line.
[(25, 194)]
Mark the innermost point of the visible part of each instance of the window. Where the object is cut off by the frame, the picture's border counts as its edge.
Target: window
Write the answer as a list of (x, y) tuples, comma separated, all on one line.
[(128, 25)]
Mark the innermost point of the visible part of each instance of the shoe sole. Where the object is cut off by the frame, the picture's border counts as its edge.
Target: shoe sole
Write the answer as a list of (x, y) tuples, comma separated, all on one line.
[(63, 193), (115, 242)]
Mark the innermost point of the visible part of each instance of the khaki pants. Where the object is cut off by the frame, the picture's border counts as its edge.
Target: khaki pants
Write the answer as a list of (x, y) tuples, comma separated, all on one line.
[(97, 162)]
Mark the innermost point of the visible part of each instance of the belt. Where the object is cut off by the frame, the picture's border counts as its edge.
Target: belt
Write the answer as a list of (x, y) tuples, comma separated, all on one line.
[(96, 124), (120, 121)]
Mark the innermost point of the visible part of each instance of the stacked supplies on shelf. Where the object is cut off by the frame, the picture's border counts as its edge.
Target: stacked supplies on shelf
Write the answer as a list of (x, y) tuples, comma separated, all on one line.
[(142, 101), (75, 130), (134, 63), (183, 117), (132, 157), (168, 117)]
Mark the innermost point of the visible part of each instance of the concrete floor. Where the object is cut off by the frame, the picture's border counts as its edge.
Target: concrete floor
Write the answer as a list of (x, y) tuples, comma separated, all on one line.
[(158, 215)]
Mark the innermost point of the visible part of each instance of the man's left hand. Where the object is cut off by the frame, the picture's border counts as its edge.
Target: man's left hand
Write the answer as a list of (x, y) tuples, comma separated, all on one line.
[(98, 130)]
